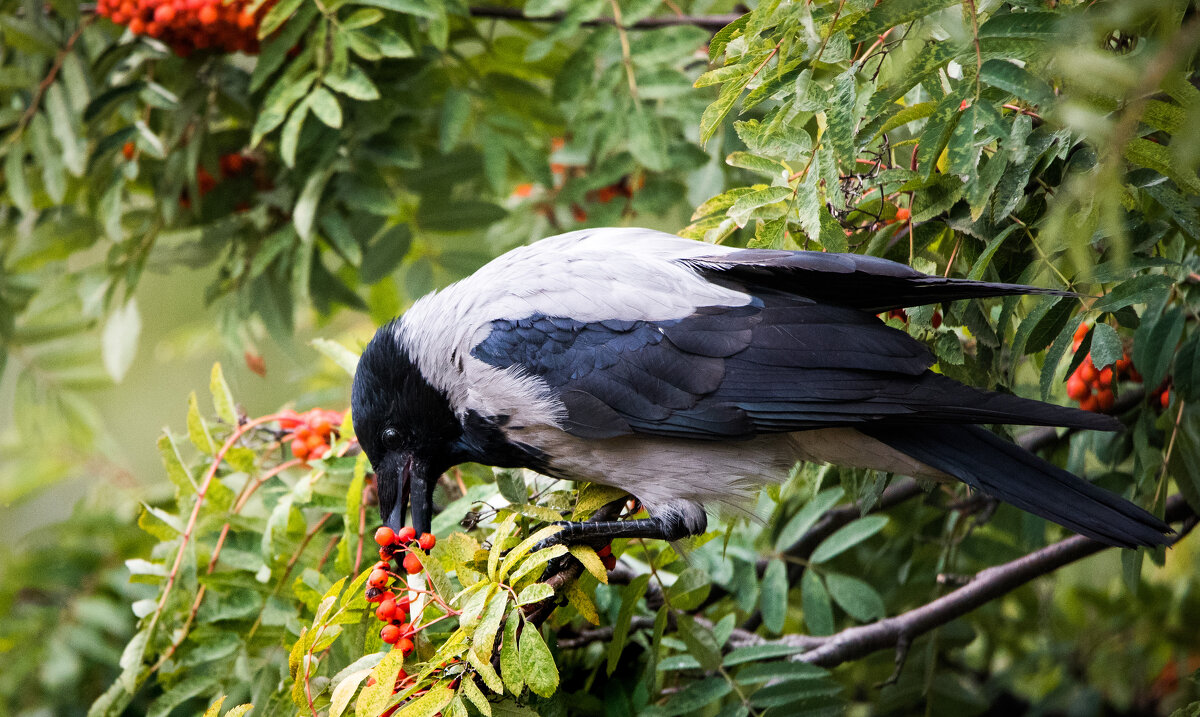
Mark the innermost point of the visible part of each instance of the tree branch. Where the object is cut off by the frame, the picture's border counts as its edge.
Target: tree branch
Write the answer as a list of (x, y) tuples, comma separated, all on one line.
[(987, 585), (708, 22)]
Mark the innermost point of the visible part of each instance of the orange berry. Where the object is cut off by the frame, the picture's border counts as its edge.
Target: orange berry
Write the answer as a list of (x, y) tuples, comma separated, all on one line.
[(412, 564), (404, 645), (406, 534), (207, 15), (164, 13), (323, 428), (1105, 399), (1077, 389), (903, 214), (578, 213), (385, 535), (558, 168), (245, 19), (427, 541), (523, 190), (127, 150), (378, 578), (386, 610), (557, 143), (1089, 403), (1105, 378), (313, 441), (300, 449), (1081, 331), (390, 634), (1087, 371), (318, 452), (1164, 398), (402, 603), (136, 26)]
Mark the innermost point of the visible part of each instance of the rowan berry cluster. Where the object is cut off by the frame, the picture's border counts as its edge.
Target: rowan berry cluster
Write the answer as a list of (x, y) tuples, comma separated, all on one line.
[(190, 25), (309, 432), (392, 610), (1092, 388)]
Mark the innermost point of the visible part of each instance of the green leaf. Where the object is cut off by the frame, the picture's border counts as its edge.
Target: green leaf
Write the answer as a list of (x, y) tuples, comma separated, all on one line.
[(198, 428), (1187, 369), (1154, 344), (354, 83), (773, 602), (716, 113), (695, 696), (430, 703), (222, 396), (700, 641), (276, 16), (1152, 155), (1050, 323), (1138, 290), (344, 690), (894, 12), (1106, 346), (854, 596), (818, 611), (779, 671), (757, 204), (278, 102), (1011, 78), (420, 8), (755, 653), (119, 340), (689, 589), (456, 110), (937, 131), (468, 215), (806, 517), (537, 664), (848, 536), (840, 113), (325, 106), (630, 596), (510, 660), (486, 672), (962, 152), (472, 692), (536, 592), (305, 210)]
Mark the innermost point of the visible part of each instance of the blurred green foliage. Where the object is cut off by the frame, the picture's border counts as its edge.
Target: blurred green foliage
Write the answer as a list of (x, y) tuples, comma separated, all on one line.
[(388, 147)]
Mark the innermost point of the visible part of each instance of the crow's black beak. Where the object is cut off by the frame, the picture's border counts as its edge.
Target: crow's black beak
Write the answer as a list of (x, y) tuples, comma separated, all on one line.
[(405, 484)]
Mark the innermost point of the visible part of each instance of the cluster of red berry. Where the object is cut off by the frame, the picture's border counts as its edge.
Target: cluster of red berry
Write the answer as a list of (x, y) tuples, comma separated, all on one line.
[(310, 431), (392, 610), (606, 557), (1093, 388), (189, 25)]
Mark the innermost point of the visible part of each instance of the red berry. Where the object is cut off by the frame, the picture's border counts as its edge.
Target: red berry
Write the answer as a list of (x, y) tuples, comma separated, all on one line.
[(300, 449), (207, 15), (1164, 398), (164, 14), (385, 536), (378, 578), (404, 645), (1089, 403), (936, 321), (127, 150), (1105, 399), (605, 551), (136, 26), (427, 541), (610, 561), (314, 440), (1087, 370), (1081, 331), (386, 610), (903, 214), (412, 564), (390, 634), (1077, 390), (402, 603), (406, 534), (318, 452), (1105, 378), (323, 428)]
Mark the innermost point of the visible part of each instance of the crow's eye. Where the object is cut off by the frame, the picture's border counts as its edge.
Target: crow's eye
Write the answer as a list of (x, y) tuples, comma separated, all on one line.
[(391, 438)]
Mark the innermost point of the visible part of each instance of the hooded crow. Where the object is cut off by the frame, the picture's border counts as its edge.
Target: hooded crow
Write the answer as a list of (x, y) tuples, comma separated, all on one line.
[(690, 375)]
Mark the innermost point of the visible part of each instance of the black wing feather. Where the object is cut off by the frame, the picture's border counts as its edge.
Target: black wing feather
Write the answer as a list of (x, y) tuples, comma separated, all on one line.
[(862, 282), (734, 372)]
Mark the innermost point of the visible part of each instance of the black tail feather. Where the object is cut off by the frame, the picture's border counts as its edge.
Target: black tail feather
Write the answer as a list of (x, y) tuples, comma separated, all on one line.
[(1002, 469)]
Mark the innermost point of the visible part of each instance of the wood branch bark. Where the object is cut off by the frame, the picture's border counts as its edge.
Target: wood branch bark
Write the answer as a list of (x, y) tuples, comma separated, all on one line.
[(708, 22)]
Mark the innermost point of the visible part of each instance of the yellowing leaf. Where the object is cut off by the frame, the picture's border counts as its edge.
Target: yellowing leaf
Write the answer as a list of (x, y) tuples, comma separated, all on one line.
[(586, 555), (221, 395), (540, 672)]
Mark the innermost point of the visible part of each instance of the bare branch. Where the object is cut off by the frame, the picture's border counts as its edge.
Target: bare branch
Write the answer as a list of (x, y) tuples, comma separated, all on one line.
[(708, 22)]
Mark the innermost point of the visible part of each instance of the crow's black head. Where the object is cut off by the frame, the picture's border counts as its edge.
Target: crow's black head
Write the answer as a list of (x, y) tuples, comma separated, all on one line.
[(406, 426)]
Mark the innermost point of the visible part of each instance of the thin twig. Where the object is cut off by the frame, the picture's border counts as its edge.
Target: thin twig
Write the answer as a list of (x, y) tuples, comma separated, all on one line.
[(708, 22), (44, 85)]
